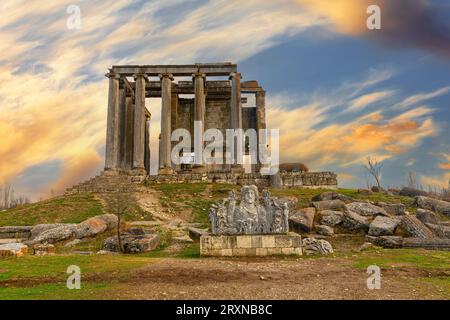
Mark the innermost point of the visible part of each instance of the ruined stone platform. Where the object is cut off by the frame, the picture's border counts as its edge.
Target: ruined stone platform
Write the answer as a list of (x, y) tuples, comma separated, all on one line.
[(250, 245)]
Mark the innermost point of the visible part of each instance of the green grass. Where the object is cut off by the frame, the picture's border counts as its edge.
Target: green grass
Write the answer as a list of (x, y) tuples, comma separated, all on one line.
[(417, 258), (55, 291), (55, 267), (64, 209)]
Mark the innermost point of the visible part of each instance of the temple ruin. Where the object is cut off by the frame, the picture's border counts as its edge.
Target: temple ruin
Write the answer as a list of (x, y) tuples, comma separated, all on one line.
[(217, 103), (212, 93)]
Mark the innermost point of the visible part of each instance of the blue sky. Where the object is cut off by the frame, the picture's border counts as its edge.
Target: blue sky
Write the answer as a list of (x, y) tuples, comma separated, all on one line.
[(337, 91)]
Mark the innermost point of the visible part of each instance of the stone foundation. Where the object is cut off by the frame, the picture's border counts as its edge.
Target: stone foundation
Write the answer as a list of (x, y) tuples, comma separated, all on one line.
[(250, 245), (107, 181)]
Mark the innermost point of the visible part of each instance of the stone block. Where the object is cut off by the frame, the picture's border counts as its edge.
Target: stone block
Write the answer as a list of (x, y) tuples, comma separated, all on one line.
[(273, 251), (283, 241), (243, 241), (261, 252), (257, 241), (287, 251), (268, 241)]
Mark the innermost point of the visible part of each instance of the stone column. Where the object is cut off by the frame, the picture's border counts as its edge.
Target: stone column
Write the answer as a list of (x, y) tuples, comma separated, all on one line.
[(122, 123), (236, 113), (199, 115), (165, 162), (129, 132), (112, 126), (139, 125), (260, 120), (147, 145)]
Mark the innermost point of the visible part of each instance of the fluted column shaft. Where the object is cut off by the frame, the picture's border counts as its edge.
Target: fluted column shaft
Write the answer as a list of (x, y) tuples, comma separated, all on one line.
[(139, 123), (166, 111), (112, 126), (199, 115)]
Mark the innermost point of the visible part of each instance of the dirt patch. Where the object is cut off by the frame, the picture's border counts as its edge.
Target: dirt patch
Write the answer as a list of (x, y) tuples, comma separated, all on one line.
[(322, 278)]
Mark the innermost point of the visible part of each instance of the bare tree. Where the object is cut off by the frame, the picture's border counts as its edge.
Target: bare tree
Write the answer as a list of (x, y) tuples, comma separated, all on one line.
[(120, 203), (411, 179), (373, 167)]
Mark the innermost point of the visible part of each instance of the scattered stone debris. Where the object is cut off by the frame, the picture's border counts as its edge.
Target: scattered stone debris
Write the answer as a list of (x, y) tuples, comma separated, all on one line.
[(329, 205), (302, 220), (135, 240), (354, 221), (331, 218), (44, 249), (383, 226), (315, 246), (415, 228), (365, 209), (324, 230), (13, 249), (386, 241), (435, 205)]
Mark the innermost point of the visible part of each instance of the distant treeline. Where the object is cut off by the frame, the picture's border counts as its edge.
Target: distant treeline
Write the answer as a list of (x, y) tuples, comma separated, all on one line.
[(8, 199)]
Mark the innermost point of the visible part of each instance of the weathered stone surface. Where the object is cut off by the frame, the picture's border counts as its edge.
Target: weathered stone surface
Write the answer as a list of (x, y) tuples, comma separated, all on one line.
[(39, 228), (427, 216), (182, 239), (291, 202), (302, 220), (395, 209), (13, 249), (315, 246), (251, 215), (386, 241), (365, 209), (132, 243), (250, 245), (53, 235), (110, 220), (435, 205), (324, 230), (331, 218), (411, 192), (442, 232), (44, 249), (90, 227), (354, 221), (196, 233), (383, 226), (72, 243), (415, 228), (430, 244), (329, 205), (331, 195)]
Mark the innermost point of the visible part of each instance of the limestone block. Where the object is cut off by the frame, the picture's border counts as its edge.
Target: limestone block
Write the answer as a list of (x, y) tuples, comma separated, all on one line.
[(243, 242), (268, 241)]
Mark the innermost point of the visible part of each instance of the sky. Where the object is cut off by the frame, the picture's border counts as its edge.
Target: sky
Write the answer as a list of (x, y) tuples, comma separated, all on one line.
[(337, 91)]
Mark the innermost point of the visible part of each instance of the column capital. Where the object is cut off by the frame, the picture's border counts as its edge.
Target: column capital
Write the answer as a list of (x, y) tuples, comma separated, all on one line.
[(112, 75), (139, 76), (166, 75), (236, 75), (198, 74)]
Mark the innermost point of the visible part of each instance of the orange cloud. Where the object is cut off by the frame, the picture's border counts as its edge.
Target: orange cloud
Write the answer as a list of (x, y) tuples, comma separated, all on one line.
[(410, 23), (81, 167)]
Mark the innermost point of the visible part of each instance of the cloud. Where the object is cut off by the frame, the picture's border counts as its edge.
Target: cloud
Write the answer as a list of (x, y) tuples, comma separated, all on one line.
[(363, 101), (421, 97), (325, 142), (83, 166), (405, 23)]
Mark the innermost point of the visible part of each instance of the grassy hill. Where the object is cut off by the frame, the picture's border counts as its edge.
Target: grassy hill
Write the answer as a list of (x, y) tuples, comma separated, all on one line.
[(196, 197)]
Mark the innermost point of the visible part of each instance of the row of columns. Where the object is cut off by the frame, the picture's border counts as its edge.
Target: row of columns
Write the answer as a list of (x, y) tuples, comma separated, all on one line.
[(128, 128)]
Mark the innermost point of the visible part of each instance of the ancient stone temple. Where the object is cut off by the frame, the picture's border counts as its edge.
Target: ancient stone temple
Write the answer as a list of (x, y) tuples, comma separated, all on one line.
[(212, 94), (217, 103)]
